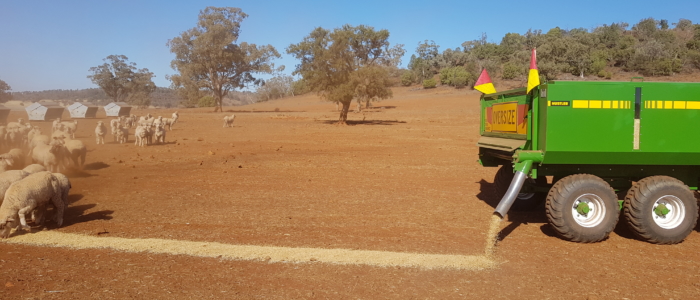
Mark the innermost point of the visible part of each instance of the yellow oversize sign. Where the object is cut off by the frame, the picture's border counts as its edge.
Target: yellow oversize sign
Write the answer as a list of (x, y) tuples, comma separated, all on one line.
[(504, 117)]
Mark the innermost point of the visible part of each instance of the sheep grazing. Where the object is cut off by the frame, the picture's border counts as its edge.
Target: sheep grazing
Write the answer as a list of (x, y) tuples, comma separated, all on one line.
[(100, 132), (33, 192), (228, 120), (8, 178), (12, 160), (49, 155), (159, 133)]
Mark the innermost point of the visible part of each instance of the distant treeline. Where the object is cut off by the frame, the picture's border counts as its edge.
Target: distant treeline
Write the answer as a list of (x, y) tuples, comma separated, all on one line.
[(161, 97)]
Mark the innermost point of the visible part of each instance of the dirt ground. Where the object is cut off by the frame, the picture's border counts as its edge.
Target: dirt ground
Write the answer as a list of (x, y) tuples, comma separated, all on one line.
[(401, 177)]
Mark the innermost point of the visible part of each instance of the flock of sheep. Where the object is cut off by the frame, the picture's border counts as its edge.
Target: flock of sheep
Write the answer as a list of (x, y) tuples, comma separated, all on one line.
[(26, 192)]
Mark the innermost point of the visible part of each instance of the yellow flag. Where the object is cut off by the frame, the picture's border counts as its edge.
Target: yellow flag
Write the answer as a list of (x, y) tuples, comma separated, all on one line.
[(533, 78)]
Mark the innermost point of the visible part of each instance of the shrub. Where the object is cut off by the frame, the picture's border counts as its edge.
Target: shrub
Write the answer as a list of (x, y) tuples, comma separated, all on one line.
[(206, 101), (512, 71), (455, 76), (429, 83), (407, 78)]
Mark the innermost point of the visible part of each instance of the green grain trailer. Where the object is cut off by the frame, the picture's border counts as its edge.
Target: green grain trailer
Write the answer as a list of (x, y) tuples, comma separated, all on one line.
[(595, 140)]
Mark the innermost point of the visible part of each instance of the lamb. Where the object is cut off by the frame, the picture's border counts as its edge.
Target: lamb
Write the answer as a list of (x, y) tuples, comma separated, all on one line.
[(228, 120), (159, 134), (72, 126), (100, 132), (12, 160), (33, 192), (50, 156)]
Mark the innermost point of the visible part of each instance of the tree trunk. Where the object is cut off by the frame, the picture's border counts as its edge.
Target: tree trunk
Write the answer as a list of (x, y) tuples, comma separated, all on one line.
[(344, 112)]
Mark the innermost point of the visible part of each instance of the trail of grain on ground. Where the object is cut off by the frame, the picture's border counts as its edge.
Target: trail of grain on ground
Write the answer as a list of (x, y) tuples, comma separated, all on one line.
[(492, 235), (250, 252)]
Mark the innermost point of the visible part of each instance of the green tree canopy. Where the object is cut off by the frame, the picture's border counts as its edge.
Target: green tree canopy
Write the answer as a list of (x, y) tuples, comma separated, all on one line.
[(209, 60), (346, 63), (5, 94), (122, 82)]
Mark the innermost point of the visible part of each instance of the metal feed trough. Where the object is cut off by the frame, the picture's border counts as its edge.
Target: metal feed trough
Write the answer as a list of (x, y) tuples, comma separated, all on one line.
[(82, 110), (116, 109), (44, 111)]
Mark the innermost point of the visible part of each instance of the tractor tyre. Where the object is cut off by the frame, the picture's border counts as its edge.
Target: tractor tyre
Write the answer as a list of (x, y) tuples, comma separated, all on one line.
[(582, 208), (661, 210), (524, 201)]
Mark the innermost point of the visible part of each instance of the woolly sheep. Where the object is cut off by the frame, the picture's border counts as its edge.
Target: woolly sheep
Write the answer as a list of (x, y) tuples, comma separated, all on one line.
[(122, 134), (159, 134), (228, 120), (33, 192), (35, 131), (114, 124), (140, 135), (50, 156), (8, 178), (33, 168), (56, 125), (72, 126), (100, 132), (12, 160), (75, 151), (64, 189)]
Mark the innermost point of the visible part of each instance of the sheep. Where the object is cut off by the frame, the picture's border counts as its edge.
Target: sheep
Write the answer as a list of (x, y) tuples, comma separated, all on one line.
[(49, 155), (140, 135), (228, 120), (13, 138), (3, 132), (74, 151), (33, 168), (39, 139), (14, 125), (149, 134), (122, 134), (158, 121), (114, 124), (159, 133), (56, 125), (8, 178), (35, 131), (12, 160), (72, 126), (64, 187), (23, 133), (100, 132), (33, 192)]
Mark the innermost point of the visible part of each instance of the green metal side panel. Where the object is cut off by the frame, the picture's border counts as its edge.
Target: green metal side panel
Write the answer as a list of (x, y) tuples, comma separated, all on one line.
[(505, 115), (596, 123)]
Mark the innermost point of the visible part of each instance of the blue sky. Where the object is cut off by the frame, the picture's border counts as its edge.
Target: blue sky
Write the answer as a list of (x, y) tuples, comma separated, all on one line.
[(52, 44)]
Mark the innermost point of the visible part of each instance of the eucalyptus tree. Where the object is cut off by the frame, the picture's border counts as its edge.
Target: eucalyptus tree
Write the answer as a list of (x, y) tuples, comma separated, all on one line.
[(5, 94), (346, 63), (209, 59), (122, 81)]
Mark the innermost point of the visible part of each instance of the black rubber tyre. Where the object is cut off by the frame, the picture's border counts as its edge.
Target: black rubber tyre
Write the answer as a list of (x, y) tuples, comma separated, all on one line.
[(524, 201), (644, 210), (582, 208)]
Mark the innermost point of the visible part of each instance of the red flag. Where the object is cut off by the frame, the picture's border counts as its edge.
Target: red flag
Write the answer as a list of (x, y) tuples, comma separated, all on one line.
[(484, 84), (533, 79)]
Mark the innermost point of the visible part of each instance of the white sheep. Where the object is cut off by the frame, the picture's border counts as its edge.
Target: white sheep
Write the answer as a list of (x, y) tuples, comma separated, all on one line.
[(12, 160), (114, 124), (33, 192), (140, 135), (228, 120), (75, 151), (72, 126), (50, 156), (56, 125), (64, 187), (100, 132), (159, 134), (30, 135), (8, 178), (122, 134), (33, 168)]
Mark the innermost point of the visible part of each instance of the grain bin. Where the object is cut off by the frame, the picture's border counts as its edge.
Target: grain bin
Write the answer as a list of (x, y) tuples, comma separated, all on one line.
[(44, 111), (116, 109), (577, 145), (82, 110)]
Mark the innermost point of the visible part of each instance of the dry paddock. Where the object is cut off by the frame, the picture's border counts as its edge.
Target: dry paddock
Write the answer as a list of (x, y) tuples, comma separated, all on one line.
[(287, 205)]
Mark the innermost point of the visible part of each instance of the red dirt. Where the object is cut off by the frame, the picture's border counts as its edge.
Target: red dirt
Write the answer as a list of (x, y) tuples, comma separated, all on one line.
[(405, 180)]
